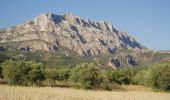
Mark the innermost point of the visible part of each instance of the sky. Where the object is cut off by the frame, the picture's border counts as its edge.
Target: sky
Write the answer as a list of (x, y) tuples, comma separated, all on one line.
[(146, 20)]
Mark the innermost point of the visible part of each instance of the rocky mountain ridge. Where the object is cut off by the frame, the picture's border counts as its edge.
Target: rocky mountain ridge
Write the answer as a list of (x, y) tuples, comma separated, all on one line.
[(50, 32)]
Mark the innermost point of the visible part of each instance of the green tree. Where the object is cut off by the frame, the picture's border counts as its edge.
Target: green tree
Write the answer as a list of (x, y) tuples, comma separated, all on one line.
[(51, 74), (86, 75), (156, 77), (1, 76), (15, 72), (121, 76), (22, 72), (160, 76), (64, 74), (3, 57), (140, 77), (36, 76)]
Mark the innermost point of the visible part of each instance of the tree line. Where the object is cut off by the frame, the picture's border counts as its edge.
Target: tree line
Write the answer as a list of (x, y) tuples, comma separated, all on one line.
[(85, 75)]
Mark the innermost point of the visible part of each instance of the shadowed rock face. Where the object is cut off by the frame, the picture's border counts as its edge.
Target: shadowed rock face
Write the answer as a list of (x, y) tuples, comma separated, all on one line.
[(49, 32), (121, 59)]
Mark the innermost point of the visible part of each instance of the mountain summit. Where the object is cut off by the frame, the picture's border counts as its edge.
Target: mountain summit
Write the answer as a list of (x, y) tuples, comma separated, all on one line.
[(50, 32)]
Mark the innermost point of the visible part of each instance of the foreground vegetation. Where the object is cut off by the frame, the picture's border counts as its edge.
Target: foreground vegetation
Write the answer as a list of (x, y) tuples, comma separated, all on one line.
[(85, 75), (48, 93), (39, 69), (72, 73)]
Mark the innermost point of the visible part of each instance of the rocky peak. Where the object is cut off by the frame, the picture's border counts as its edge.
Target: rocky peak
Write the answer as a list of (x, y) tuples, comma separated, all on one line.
[(69, 17), (45, 18), (49, 32)]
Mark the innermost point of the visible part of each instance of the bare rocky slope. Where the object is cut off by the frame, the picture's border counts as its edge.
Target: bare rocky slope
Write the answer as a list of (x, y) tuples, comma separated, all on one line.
[(49, 32), (68, 34)]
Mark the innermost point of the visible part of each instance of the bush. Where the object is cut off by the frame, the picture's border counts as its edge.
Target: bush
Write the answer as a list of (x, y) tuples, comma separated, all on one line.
[(21, 72), (15, 72), (36, 76), (156, 77), (1, 76), (160, 76), (86, 75), (64, 74), (52, 75), (122, 76), (3, 57), (140, 78)]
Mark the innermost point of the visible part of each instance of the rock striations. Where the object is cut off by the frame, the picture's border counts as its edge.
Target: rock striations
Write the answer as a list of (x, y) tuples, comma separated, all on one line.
[(49, 32)]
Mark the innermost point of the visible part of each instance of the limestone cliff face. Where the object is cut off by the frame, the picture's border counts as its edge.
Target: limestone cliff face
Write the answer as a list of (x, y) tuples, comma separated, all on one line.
[(49, 32)]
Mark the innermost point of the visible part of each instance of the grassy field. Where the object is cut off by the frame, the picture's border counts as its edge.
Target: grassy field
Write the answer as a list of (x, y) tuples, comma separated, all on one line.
[(48, 93)]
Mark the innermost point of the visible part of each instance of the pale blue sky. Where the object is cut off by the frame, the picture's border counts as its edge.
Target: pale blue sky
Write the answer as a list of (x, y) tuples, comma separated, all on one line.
[(147, 20)]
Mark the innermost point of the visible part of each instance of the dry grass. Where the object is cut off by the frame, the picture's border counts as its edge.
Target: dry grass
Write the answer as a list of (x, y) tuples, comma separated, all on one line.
[(136, 88), (48, 93)]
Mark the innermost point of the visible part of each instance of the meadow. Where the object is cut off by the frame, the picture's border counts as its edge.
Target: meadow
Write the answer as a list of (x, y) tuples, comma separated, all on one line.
[(49, 93)]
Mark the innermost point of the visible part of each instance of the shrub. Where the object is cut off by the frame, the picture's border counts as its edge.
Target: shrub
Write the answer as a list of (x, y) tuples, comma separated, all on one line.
[(15, 72), (3, 57), (156, 77), (36, 76), (1, 76), (123, 75), (120, 77), (86, 75), (160, 76), (64, 74), (140, 77), (51, 74), (21, 72)]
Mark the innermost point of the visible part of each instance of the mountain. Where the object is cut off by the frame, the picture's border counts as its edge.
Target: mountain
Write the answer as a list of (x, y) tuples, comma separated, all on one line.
[(66, 40), (50, 32)]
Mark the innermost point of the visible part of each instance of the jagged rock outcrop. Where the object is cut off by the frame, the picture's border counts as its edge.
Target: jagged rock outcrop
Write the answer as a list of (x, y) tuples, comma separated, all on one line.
[(49, 32), (123, 59)]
